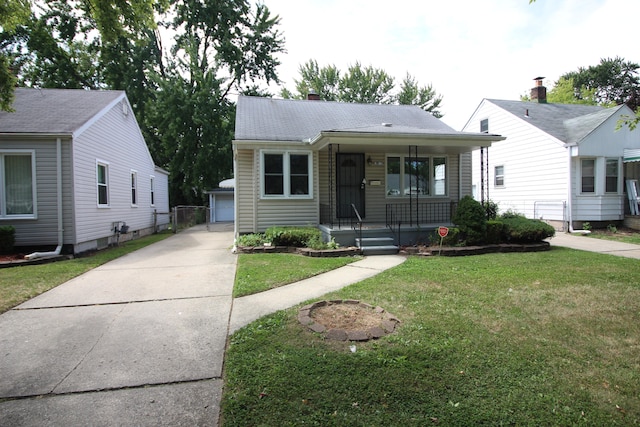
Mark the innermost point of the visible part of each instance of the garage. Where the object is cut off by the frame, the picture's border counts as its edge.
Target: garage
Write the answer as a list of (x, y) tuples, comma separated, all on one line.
[(221, 202)]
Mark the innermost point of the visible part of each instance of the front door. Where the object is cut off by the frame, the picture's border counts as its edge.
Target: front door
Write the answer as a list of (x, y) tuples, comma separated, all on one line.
[(350, 184)]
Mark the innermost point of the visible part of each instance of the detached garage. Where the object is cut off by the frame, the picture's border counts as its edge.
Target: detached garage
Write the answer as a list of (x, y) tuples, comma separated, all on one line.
[(221, 202)]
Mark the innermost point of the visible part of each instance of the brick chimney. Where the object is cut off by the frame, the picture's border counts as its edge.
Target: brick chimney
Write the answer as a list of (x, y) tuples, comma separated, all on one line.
[(313, 96), (539, 92)]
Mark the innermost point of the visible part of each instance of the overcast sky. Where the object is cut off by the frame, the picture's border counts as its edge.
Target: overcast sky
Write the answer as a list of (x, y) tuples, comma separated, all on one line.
[(467, 49)]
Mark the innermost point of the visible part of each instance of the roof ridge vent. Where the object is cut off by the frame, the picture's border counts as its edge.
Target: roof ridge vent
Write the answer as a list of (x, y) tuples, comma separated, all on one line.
[(387, 125)]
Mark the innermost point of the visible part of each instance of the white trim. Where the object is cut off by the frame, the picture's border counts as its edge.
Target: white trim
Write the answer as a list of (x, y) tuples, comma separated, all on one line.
[(286, 175), (432, 180), (495, 176)]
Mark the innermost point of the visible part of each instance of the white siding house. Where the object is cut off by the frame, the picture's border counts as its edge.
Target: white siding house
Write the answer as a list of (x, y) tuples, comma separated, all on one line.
[(91, 171), (331, 164), (559, 162)]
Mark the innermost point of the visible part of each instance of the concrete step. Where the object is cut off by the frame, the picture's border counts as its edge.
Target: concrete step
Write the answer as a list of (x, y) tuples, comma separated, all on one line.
[(374, 241), (379, 250)]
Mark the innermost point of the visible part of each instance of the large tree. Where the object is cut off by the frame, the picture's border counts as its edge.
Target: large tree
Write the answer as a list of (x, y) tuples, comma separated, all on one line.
[(362, 84), (12, 14), (612, 81), (222, 48)]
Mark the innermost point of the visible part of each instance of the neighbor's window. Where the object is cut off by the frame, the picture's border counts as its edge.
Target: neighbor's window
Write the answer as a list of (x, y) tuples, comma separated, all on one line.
[(17, 184), (422, 175), (286, 174), (498, 179), (484, 126), (134, 188), (153, 191), (588, 173), (611, 185), (102, 173)]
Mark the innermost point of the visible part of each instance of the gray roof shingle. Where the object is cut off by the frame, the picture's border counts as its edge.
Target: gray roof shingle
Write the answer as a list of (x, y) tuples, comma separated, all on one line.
[(565, 122), (54, 111), (300, 120)]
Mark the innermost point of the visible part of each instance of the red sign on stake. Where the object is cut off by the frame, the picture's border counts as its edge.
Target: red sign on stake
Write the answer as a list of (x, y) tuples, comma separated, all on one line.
[(443, 231)]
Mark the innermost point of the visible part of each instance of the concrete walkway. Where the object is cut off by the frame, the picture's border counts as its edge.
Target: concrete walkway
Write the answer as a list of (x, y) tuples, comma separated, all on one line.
[(584, 243), (137, 341)]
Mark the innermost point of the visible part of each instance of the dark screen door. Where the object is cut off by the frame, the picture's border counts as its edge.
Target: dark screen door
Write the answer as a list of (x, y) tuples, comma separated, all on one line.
[(350, 184)]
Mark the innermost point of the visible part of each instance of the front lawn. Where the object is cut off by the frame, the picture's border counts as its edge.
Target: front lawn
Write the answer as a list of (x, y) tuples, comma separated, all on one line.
[(543, 338), (624, 235), (261, 272)]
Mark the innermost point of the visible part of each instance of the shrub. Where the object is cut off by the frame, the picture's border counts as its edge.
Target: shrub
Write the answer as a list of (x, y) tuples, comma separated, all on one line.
[(452, 238), (495, 231), (524, 230), (298, 237), (470, 217), (249, 240), (7, 238), (491, 208)]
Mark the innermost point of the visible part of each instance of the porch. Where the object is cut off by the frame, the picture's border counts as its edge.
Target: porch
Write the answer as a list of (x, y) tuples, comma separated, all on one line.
[(405, 223)]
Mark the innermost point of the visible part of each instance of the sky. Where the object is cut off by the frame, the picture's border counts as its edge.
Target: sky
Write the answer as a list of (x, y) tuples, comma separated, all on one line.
[(467, 50)]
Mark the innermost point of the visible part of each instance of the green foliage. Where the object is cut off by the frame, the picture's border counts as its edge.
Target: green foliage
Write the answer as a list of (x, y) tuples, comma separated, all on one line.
[(518, 229), (491, 208), (252, 240), (586, 225), (613, 81), (470, 217), (298, 237), (453, 238), (612, 228), (495, 231), (7, 238), (565, 92), (363, 85)]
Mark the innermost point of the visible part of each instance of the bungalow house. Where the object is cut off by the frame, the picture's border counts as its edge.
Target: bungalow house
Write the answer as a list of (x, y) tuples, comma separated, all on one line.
[(353, 170), (567, 164), (75, 172)]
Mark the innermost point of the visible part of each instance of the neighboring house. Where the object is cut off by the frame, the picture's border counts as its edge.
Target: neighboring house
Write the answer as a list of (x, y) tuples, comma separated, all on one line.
[(564, 163), (74, 168), (311, 162)]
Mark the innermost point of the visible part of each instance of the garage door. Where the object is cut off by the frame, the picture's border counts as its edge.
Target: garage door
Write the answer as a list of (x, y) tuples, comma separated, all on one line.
[(223, 208)]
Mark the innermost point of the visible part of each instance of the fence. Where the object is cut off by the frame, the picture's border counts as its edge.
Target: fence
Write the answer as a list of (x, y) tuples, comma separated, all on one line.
[(188, 216)]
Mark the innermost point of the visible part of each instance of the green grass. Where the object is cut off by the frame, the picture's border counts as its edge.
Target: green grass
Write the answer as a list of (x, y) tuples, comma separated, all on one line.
[(260, 272), (627, 236), (19, 284), (548, 338)]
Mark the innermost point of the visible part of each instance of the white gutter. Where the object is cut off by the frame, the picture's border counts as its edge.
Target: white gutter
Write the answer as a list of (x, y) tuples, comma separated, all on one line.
[(59, 197)]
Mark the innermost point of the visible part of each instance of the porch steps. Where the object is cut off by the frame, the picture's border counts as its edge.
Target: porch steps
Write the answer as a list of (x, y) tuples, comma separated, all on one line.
[(377, 245)]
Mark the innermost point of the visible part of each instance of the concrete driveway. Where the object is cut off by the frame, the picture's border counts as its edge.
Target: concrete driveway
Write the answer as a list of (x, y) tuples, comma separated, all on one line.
[(139, 340)]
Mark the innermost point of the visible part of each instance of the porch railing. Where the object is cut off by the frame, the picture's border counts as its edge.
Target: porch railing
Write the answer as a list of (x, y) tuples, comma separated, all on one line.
[(356, 223), (421, 213)]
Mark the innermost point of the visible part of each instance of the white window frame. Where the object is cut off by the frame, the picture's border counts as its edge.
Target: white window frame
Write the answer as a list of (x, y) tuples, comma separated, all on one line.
[(152, 190), (135, 194), (483, 123), (496, 176), (606, 175), (286, 172), (3, 192), (432, 175), (106, 184)]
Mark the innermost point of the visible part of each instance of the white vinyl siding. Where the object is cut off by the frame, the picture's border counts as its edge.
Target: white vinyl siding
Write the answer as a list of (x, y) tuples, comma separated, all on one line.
[(537, 165)]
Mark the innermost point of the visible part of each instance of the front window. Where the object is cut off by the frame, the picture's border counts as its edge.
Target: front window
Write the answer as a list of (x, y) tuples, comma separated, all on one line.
[(611, 185), (102, 173), (286, 174), (17, 184), (423, 176), (499, 176)]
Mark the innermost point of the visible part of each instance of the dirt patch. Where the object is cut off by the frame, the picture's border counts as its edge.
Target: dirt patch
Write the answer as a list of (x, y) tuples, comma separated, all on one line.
[(349, 320), (11, 257)]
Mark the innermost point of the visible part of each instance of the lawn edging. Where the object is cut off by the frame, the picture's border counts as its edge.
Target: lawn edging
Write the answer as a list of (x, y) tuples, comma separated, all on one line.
[(477, 250)]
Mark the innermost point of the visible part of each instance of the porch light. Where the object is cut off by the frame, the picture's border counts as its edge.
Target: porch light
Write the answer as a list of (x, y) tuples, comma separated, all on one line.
[(369, 161)]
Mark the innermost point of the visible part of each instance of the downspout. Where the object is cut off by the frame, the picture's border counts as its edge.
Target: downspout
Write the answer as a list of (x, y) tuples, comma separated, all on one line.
[(59, 199)]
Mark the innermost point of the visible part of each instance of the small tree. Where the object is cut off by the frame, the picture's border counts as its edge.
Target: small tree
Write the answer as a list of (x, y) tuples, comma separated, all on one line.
[(471, 219)]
